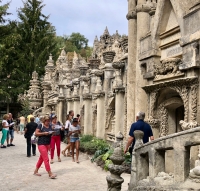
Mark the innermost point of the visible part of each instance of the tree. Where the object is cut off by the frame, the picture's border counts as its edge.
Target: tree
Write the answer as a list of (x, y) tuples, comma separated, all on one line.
[(24, 47), (78, 40), (74, 42), (37, 37), (3, 12)]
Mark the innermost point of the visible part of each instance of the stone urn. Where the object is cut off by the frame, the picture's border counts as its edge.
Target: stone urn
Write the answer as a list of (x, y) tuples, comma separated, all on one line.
[(94, 63), (108, 56), (83, 69)]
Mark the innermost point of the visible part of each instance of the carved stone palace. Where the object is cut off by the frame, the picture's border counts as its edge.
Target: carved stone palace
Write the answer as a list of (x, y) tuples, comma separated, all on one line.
[(154, 69)]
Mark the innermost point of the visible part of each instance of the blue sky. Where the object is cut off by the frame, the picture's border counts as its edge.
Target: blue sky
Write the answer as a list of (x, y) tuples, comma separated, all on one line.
[(89, 17)]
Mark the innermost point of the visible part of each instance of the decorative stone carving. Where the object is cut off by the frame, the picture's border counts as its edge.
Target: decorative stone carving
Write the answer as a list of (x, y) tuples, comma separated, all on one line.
[(108, 56), (124, 43), (131, 15), (167, 68), (194, 92), (115, 180), (195, 172), (34, 94), (163, 113)]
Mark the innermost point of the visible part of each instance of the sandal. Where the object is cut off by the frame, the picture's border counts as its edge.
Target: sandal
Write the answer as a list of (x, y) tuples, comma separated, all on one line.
[(51, 162), (69, 155), (59, 160), (63, 152), (53, 176), (37, 174)]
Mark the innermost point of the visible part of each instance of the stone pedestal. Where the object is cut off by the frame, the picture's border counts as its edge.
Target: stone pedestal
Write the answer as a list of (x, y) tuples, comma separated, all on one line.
[(87, 100), (134, 173)]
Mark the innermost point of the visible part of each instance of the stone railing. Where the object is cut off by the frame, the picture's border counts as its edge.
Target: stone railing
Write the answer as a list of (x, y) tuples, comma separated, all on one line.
[(149, 162)]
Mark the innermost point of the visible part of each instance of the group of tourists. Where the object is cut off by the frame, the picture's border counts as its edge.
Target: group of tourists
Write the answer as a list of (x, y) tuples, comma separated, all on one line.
[(47, 133)]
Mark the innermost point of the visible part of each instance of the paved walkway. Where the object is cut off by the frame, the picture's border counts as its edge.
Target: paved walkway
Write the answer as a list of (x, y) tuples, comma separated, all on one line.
[(16, 172)]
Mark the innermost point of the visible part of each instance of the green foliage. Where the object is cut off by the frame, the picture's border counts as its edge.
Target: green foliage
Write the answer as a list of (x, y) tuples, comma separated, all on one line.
[(74, 42), (107, 154), (24, 47), (3, 12), (92, 144), (127, 158), (25, 107), (107, 163), (86, 138)]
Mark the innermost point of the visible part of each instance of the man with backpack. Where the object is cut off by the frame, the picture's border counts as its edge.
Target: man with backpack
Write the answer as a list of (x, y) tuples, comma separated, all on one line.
[(142, 126)]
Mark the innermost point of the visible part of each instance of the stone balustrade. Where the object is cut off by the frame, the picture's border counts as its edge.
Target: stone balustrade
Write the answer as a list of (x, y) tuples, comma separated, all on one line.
[(149, 162)]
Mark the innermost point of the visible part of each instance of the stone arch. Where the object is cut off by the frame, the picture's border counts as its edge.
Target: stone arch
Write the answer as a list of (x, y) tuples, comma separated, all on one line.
[(164, 103)]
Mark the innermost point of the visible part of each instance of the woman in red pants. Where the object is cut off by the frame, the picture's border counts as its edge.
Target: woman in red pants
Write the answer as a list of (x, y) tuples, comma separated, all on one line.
[(56, 138), (44, 132)]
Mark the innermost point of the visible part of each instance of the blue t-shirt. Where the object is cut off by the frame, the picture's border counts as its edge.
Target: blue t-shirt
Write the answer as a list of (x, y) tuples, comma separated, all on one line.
[(142, 126)]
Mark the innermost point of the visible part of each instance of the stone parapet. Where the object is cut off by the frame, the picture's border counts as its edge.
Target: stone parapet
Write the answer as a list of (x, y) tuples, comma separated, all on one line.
[(152, 154)]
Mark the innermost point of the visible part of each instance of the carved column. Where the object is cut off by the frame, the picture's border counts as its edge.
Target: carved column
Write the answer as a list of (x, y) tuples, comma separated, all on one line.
[(69, 98), (119, 109), (60, 104), (143, 27), (119, 97), (75, 97), (87, 100), (131, 70), (108, 57)]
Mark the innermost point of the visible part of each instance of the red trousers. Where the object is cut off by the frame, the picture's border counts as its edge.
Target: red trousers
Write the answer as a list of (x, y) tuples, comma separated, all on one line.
[(43, 149), (55, 140)]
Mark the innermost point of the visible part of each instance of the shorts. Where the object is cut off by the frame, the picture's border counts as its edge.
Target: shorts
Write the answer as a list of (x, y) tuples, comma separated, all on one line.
[(74, 139), (10, 134)]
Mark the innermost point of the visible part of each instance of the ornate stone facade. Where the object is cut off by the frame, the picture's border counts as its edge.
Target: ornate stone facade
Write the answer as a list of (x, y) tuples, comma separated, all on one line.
[(154, 69), (86, 88)]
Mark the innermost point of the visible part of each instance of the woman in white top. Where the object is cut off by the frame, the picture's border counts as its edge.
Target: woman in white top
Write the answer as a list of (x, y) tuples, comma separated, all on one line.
[(5, 129), (67, 125), (74, 132)]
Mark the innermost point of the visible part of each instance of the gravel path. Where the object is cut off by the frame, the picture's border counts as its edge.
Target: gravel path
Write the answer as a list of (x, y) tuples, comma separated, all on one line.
[(17, 172)]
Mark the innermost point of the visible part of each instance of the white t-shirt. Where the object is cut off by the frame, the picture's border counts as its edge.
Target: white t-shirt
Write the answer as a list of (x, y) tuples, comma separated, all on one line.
[(67, 124), (72, 128), (4, 121)]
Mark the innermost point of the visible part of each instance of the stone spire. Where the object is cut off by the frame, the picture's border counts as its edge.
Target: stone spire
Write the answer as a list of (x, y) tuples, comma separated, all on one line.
[(106, 32)]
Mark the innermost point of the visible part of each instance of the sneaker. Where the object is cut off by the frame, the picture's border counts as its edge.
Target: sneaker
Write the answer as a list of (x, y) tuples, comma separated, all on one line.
[(8, 145), (12, 144), (3, 146)]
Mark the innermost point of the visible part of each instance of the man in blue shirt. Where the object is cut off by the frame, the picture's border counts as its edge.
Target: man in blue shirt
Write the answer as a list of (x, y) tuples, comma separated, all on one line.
[(142, 126)]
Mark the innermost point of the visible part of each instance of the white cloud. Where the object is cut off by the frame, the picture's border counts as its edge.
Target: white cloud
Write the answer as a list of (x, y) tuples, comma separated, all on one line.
[(89, 17)]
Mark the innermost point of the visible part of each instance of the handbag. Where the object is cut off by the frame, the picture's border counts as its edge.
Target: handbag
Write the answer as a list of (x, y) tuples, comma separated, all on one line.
[(34, 139)]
